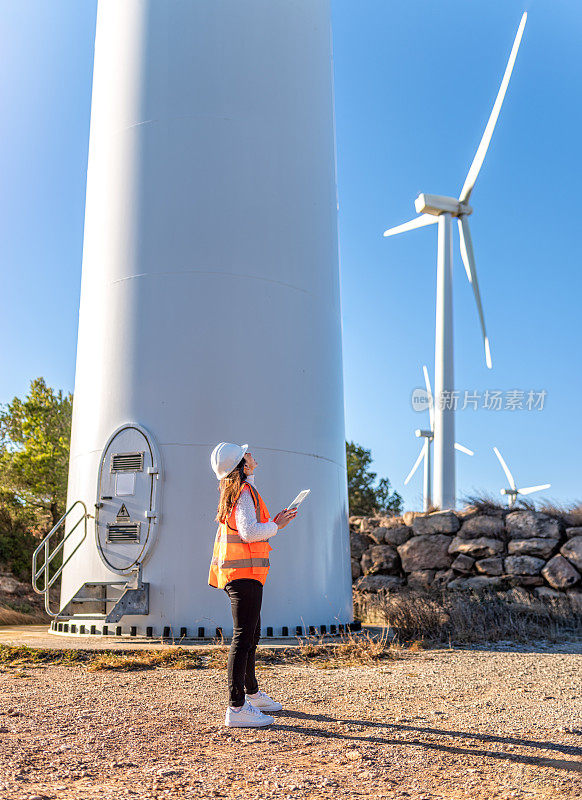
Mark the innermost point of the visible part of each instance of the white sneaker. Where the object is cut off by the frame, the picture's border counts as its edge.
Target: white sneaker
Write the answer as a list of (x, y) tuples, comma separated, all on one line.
[(247, 717), (263, 702)]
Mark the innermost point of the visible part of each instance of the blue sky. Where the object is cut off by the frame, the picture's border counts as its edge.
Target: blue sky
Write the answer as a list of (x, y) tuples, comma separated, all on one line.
[(414, 85)]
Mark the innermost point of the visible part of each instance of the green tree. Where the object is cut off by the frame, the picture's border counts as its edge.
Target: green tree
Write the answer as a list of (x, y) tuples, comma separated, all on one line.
[(34, 453), (364, 495), (17, 539)]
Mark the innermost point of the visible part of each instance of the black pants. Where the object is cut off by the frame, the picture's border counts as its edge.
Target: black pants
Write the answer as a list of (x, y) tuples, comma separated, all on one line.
[(246, 596)]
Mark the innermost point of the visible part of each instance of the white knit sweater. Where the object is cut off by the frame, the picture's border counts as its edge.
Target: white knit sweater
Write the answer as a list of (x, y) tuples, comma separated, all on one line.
[(246, 519)]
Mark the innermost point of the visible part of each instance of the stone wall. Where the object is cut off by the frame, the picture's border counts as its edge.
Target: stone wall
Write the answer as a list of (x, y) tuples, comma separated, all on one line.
[(467, 549)]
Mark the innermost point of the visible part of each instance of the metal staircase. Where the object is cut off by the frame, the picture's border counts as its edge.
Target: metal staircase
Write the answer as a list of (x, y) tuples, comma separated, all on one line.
[(107, 601)]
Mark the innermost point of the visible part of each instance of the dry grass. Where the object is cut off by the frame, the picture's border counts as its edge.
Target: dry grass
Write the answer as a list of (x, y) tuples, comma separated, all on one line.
[(471, 617), (350, 649), (178, 658), (571, 515), (22, 655), (11, 616), (17, 656), (484, 503)]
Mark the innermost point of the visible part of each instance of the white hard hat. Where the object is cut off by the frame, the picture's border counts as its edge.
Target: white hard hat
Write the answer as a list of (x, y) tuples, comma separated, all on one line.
[(225, 457)]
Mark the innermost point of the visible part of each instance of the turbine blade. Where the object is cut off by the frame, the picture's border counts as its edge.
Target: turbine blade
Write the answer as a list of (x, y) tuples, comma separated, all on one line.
[(431, 398), (505, 468), (417, 222), (530, 489), (416, 464), (464, 449), (490, 127), (468, 257)]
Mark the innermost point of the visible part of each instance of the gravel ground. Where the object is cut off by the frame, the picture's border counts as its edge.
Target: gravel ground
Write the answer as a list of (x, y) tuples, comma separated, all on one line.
[(475, 723)]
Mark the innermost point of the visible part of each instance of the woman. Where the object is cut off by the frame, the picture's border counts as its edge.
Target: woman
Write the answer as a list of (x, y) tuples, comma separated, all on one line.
[(240, 563)]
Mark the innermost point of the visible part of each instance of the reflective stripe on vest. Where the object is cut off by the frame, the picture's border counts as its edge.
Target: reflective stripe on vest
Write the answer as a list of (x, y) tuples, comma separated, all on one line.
[(229, 558), (242, 562)]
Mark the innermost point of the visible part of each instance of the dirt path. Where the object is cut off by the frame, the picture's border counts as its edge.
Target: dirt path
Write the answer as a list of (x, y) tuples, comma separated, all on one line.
[(436, 724)]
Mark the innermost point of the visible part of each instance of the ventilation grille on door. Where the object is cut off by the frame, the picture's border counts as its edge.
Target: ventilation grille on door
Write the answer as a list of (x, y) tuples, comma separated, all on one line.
[(123, 532), (121, 462)]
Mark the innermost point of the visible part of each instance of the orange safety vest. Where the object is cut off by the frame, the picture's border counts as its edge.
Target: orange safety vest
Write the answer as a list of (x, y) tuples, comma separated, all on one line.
[(234, 558)]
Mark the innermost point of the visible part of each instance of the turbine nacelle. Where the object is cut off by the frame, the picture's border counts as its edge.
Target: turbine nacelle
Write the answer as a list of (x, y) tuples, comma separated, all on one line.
[(437, 204), (514, 491), (425, 454)]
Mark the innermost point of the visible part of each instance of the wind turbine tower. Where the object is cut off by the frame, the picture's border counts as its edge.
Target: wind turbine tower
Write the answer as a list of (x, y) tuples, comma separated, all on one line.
[(441, 210), (210, 311), (425, 450)]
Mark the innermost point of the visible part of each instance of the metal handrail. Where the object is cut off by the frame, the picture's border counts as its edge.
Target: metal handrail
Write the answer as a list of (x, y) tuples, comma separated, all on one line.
[(44, 548)]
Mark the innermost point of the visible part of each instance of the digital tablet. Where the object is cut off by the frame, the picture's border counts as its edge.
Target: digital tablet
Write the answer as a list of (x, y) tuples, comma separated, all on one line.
[(299, 499)]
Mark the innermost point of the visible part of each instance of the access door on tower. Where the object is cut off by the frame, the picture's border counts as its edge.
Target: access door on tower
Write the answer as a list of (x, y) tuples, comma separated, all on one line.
[(127, 507)]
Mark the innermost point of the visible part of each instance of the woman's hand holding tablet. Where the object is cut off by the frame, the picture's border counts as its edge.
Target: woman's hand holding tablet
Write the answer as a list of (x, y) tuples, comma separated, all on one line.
[(284, 517), (299, 499)]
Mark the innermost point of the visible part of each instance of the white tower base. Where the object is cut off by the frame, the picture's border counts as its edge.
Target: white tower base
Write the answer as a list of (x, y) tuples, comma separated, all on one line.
[(210, 310)]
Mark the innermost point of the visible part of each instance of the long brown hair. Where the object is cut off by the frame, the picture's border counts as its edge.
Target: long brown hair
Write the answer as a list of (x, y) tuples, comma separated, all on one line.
[(229, 488)]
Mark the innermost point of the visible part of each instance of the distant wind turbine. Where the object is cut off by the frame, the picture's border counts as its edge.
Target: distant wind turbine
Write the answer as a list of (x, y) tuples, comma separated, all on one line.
[(435, 208), (425, 452), (514, 491)]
